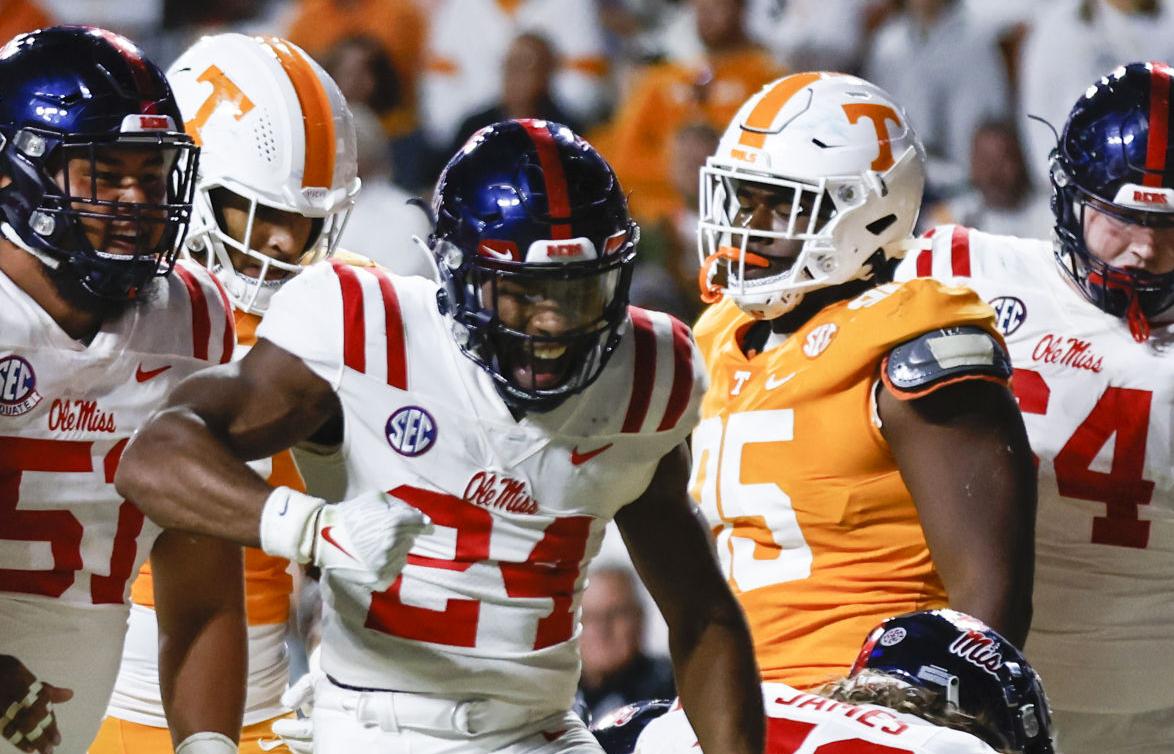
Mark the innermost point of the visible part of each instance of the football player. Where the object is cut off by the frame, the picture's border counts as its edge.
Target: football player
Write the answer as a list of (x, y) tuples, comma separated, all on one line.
[(277, 177), (96, 326), (1089, 323), (521, 405), (930, 682), (860, 454)]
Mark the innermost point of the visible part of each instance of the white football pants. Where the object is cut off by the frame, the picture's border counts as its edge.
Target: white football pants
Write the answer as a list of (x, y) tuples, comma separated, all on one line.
[(347, 721)]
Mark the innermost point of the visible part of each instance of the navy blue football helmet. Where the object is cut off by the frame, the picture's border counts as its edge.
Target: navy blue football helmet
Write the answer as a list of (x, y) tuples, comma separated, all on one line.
[(975, 669), (618, 730), (535, 250), (1116, 155), (77, 104)]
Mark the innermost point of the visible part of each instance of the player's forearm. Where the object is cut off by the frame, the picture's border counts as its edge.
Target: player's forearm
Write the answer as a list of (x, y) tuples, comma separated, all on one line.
[(201, 487), (717, 680), (202, 673)]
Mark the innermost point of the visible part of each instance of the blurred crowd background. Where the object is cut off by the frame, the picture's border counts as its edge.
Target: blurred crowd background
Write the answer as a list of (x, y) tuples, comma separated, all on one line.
[(652, 83)]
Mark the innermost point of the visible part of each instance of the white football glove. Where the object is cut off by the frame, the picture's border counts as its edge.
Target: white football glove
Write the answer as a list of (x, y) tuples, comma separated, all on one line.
[(297, 734), (364, 539)]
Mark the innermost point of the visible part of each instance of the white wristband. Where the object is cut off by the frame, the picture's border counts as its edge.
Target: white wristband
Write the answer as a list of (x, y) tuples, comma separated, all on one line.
[(287, 524), (206, 743)]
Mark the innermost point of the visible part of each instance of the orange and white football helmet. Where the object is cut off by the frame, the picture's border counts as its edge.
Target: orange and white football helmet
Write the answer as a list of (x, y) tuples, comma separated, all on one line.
[(275, 129), (847, 170)]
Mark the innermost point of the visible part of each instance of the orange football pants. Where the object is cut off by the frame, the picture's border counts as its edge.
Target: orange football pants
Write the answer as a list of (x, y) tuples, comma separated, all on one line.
[(122, 737)]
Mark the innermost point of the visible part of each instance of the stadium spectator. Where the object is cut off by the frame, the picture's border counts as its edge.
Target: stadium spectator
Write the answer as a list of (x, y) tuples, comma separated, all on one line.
[(529, 67), (1073, 42), (382, 221), (945, 68), (616, 670), (1002, 199), (666, 273), (398, 25), (20, 16), (669, 95), (470, 38)]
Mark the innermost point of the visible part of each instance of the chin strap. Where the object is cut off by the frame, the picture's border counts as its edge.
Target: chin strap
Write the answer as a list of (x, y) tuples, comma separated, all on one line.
[(1139, 323), (711, 293)]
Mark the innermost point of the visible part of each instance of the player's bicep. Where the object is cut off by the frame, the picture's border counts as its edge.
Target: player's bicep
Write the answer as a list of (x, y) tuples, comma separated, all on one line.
[(668, 543), (261, 404)]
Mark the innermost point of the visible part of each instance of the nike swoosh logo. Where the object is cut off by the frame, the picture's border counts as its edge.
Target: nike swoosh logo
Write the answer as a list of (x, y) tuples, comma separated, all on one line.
[(142, 375), (772, 383), (553, 735), (330, 539), (578, 458), (504, 256)]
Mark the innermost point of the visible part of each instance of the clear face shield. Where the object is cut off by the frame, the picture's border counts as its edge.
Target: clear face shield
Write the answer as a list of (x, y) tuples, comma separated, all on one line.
[(250, 275), (762, 238)]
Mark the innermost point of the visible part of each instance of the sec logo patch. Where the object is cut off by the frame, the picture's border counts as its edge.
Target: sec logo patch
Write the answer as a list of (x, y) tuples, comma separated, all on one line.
[(1010, 313), (18, 386), (411, 431), (893, 636)]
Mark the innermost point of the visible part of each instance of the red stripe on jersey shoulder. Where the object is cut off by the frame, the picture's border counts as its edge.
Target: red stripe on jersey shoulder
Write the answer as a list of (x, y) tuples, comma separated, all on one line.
[(201, 323), (1159, 123), (393, 321), (682, 376), (354, 329), (960, 251), (229, 339), (644, 373)]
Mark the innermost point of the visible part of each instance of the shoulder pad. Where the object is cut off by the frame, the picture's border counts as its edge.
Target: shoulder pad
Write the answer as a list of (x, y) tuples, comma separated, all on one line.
[(934, 359)]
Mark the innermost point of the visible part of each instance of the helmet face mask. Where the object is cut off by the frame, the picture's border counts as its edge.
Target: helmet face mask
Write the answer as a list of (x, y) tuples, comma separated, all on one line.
[(100, 190), (1108, 162), (277, 132), (535, 251), (251, 276), (846, 172)]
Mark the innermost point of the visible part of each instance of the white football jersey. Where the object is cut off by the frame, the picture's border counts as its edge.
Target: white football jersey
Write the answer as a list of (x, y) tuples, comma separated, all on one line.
[(488, 603), (1098, 407), (69, 543), (799, 722)]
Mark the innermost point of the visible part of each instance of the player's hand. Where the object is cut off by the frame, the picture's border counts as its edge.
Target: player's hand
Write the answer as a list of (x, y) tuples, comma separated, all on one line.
[(297, 734), (26, 708), (364, 539)]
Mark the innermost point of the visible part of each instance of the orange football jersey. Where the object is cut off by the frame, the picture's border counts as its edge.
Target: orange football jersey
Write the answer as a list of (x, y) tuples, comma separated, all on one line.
[(815, 529), (268, 583)]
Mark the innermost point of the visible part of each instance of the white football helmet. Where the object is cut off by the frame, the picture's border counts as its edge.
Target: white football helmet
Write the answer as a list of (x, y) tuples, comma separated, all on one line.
[(849, 170), (276, 130)]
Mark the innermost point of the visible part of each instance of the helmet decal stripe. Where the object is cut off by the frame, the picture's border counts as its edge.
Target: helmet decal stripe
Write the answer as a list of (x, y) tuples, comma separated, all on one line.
[(201, 324), (762, 117), (645, 370), (317, 118), (558, 201), (397, 357), (354, 338), (682, 377), (1157, 143)]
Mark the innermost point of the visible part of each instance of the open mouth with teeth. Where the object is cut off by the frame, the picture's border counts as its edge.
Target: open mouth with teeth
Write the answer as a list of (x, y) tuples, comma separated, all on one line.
[(542, 366)]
